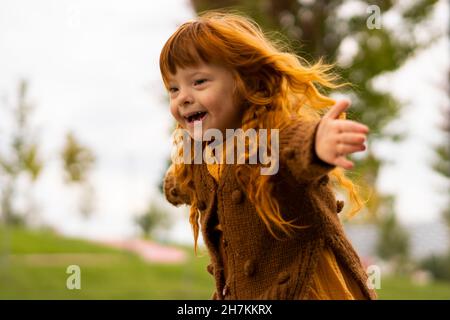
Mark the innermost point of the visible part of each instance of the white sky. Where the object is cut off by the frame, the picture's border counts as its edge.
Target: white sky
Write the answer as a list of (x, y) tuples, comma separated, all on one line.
[(93, 68)]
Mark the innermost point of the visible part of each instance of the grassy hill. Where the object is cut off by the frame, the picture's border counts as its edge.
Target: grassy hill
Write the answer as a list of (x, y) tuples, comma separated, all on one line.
[(33, 265)]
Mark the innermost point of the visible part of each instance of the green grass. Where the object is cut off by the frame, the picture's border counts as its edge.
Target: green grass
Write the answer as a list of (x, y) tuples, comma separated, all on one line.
[(33, 265), (401, 288)]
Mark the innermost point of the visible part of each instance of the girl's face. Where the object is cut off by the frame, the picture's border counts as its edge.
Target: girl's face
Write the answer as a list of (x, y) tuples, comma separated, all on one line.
[(204, 93)]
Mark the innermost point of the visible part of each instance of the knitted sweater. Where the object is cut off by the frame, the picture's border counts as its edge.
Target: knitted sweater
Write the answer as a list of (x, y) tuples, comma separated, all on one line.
[(258, 265), (330, 281)]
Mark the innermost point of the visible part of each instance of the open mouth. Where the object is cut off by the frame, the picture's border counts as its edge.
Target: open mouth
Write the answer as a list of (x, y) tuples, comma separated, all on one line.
[(196, 117)]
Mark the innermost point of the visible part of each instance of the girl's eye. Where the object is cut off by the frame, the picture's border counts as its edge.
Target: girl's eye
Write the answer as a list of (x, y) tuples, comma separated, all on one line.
[(200, 81), (172, 90)]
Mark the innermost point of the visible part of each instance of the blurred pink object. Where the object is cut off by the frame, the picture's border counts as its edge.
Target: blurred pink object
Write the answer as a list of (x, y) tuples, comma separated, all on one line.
[(149, 251)]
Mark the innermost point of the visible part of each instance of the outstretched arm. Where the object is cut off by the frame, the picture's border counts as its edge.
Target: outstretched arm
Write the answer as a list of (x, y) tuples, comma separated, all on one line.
[(310, 149), (337, 138)]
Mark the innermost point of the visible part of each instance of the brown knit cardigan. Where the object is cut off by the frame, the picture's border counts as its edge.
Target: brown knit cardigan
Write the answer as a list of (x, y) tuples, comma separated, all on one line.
[(258, 265)]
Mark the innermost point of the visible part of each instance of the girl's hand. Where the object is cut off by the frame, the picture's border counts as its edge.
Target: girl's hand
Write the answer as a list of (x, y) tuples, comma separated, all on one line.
[(335, 138)]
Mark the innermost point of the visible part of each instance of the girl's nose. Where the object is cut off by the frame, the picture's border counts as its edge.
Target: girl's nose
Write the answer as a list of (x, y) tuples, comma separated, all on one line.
[(186, 99)]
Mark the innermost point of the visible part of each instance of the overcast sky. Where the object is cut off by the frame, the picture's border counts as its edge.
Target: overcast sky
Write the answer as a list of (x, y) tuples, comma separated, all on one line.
[(93, 69)]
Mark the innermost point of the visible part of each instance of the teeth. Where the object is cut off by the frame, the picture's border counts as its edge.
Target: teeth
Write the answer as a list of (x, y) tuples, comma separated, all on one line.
[(194, 114)]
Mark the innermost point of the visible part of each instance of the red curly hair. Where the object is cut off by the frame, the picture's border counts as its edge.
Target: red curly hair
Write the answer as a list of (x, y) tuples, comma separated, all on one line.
[(270, 81)]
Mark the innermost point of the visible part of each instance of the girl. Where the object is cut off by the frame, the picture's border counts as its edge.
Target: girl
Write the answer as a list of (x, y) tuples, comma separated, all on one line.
[(269, 236)]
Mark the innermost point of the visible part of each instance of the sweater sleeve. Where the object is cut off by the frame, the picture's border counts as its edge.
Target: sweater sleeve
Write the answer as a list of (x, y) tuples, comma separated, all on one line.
[(172, 190), (297, 151)]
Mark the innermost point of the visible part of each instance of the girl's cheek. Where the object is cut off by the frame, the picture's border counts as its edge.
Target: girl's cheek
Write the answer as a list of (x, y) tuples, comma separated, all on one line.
[(174, 112)]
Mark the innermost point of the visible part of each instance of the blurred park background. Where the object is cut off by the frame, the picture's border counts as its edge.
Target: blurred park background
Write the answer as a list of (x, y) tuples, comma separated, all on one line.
[(85, 141)]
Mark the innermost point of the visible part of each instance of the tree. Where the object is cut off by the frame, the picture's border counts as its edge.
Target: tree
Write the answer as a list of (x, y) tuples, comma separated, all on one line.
[(439, 265), (20, 160), (152, 219), (78, 161), (442, 164), (393, 239)]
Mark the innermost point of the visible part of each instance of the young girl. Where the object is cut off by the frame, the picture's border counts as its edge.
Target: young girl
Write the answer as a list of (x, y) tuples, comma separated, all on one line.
[(272, 236)]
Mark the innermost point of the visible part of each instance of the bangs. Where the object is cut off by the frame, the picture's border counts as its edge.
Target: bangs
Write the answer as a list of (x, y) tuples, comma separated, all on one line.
[(191, 45)]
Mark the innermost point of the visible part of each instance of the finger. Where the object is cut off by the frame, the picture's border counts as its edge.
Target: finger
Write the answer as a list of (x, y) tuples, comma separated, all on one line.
[(337, 109), (344, 149), (344, 163), (351, 138), (351, 126)]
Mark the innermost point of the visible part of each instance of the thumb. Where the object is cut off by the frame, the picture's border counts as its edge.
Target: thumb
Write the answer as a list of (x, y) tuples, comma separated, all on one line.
[(337, 109)]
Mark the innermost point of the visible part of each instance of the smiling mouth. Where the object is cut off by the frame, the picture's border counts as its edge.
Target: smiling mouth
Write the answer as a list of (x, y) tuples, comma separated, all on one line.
[(199, 116)]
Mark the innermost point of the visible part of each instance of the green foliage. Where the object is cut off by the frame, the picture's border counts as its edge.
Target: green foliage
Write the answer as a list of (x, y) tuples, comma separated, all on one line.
[(21, 157), (31, 162), (439, 266), (78, 160), (152, 219), (393, 240), (393, 243), (442, 163), (23, 154), (419, 10)]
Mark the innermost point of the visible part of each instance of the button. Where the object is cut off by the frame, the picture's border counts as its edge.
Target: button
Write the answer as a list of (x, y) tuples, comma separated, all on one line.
[(289, 153), (210, 268), (201, 205), (324, 180), (249, 268), (174, 192), (237, 196), (283, 277), (339, 205)]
